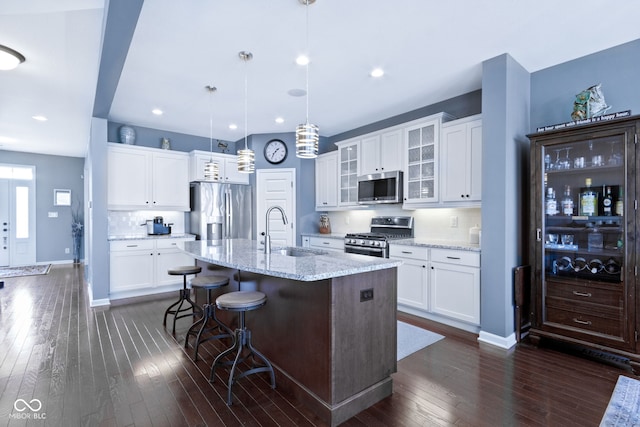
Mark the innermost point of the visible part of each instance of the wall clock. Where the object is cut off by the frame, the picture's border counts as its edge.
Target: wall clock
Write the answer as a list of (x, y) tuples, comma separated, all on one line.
[(275, 151)]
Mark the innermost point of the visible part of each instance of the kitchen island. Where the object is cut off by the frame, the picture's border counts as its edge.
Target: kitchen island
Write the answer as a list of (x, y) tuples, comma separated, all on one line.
[(329, 325)]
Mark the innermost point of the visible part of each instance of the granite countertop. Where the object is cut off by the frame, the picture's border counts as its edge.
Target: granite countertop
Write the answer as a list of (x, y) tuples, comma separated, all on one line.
[(246, 255), (438, 244), (150, 236)]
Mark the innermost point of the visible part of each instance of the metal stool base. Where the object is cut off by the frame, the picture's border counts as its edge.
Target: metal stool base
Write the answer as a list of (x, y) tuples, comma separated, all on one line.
[(184, 299), (199, 328), (242, 339)]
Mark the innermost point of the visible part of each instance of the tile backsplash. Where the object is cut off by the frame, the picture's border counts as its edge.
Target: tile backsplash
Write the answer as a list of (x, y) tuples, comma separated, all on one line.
[(428, 223), (133, 223)]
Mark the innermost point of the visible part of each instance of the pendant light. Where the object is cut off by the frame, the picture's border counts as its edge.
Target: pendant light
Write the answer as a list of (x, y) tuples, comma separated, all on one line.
[(307, 134), (246, 157), (211, 170)]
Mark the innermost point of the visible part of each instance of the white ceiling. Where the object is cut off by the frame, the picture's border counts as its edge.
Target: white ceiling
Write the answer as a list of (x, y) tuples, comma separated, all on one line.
[(431, 51)]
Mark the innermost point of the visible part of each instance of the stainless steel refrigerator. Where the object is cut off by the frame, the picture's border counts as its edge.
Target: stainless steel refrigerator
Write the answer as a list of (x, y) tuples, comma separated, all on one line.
[(220, 211)]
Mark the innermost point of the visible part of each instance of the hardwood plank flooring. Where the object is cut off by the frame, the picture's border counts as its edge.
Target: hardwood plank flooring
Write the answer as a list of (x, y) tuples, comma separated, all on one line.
[(118, 366)]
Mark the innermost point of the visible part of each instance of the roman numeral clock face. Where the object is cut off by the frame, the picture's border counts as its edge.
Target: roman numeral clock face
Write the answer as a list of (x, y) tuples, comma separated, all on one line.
[(275, 151)]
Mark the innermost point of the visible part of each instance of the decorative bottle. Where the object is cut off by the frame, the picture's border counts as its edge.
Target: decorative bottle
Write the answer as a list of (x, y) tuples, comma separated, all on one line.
[(551, 203), (588, 200), (607, 203), (567, 202), (619, 210)]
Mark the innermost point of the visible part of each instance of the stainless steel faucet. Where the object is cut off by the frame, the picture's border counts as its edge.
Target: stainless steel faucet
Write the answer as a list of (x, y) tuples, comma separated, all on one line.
[(267, 237)]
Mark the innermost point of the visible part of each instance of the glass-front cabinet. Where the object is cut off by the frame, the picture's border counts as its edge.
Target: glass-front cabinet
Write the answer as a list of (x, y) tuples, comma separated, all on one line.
[(584, 234)]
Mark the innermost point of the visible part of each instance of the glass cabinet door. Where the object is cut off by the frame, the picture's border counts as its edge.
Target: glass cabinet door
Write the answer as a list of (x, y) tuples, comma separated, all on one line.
[(584, 233), (422, 163)]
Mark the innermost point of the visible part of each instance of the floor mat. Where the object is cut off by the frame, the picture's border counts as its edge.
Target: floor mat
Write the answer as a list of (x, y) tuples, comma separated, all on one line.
[(26, 270), (624, 407), (411, 339)]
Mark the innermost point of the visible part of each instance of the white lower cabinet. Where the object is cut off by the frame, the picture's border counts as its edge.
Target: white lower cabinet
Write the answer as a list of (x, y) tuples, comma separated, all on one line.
[(139, 267), (455, 284), (329, 243), (413, 280)]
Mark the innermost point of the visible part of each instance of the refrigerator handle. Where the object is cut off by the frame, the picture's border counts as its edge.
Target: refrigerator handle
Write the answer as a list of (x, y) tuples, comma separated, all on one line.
[(228, 210)]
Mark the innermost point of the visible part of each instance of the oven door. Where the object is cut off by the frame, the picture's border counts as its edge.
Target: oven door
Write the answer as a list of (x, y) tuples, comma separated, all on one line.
[(362, 250)]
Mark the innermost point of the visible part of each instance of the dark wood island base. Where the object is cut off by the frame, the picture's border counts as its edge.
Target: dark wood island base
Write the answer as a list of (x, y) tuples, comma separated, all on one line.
[(332, 341)]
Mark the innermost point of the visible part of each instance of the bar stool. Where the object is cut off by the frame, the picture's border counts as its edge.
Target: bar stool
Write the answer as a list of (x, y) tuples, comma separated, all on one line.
[(199, 327), (185, 295), (241, 301)]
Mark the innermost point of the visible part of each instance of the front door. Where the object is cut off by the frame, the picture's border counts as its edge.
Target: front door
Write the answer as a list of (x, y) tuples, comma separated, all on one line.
[(18, 212), (276, 187), (4, 222)]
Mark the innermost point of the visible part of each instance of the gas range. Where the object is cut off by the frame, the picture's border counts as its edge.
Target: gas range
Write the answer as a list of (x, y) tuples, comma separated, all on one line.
[(376, 242)]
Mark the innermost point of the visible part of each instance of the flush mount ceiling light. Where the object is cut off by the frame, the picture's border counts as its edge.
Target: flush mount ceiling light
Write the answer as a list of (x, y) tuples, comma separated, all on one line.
[(377, 72), (157, 111), (9, 58), (211, 170), (246, 157), (307, 134)]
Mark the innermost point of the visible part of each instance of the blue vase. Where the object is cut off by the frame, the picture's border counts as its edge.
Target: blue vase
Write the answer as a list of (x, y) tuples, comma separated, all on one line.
[(127, 135)]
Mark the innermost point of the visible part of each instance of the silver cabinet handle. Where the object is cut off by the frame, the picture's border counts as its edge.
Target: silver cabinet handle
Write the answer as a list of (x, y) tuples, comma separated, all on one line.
[(582, 322), (453, 257), (582, 294)]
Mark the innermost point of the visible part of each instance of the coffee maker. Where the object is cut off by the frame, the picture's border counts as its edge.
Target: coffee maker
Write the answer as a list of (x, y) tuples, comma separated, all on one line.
[(157, 226)]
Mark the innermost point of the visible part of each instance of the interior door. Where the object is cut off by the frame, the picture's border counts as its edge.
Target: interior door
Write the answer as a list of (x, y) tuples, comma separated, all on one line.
[(4, 222), (276, 187)]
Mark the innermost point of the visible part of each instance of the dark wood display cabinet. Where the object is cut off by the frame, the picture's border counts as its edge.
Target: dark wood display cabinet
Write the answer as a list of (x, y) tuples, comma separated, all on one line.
[(583, 233)]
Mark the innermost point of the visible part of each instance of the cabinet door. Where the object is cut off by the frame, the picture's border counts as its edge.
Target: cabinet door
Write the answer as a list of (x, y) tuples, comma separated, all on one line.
[(170, 181), (128, 172), (413, 289), (349, 171), (166, 259), (370, 155), (131, 270), (231, 174), (327, 181), (391, 151), (421, 178), (461, 158), (455, 291)]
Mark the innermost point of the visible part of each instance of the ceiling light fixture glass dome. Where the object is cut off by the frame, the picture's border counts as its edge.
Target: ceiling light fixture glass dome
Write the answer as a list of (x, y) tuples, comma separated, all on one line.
[(246, 157)]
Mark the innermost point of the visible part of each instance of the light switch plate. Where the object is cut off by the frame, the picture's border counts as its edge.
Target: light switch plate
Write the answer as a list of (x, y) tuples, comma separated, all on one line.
[(454, 222), (53, 214)]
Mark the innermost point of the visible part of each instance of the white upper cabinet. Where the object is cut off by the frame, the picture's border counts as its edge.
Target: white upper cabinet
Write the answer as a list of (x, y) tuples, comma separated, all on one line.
[(348, 171), (461, 159), (381, 152), (327, 181), (147, 178), (421, 176), (227, 165)]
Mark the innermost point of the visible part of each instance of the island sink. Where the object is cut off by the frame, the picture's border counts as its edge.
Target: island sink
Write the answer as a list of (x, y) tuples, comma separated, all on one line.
[(298, 252)]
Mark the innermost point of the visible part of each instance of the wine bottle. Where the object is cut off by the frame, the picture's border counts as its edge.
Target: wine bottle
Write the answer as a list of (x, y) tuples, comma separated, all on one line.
[(567, 202), (619, 209), (588, 200), (607, 202)]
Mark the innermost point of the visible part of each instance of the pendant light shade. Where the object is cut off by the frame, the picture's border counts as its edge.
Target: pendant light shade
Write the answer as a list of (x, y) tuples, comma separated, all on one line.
[(211, 169), (307, 134), (9, 58), (246, 157)]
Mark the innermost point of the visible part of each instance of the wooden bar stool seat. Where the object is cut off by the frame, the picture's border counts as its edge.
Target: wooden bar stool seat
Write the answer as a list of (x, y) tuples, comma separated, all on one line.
[(241, 301)]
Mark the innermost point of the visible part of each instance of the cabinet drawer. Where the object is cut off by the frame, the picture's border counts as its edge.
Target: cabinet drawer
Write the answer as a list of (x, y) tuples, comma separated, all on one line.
[(131, 245), (588, 320), (412, 252), (170, 243), (584, 293), (327, 243), (471, 259)]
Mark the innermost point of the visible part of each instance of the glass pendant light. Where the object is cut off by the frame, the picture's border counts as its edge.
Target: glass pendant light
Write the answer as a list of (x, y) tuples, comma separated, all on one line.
[(307, 134), (211, 170), (246, 157)]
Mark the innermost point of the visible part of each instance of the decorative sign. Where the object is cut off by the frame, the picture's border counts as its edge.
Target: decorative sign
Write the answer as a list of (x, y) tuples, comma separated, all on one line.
[(596, 119)]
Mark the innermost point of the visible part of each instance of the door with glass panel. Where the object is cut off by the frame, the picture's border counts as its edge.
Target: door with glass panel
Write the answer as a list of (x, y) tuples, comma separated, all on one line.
[(421, 179), (17, 215)]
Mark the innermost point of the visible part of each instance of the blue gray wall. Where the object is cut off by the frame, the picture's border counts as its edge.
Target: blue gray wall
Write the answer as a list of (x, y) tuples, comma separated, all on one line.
[(53, 235)]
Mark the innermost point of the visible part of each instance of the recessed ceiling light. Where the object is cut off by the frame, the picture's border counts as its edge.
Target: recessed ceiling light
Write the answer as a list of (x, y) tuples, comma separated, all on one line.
[(9, 58), (233, 126), (377, 72), (157, 111), (302, 60), (39, 118), (279, 120)]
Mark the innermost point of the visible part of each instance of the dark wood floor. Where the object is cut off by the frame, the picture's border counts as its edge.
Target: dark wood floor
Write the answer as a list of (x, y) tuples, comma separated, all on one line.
[(117, 366)]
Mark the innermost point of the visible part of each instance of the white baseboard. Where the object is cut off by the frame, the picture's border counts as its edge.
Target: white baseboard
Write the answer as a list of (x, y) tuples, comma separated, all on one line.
[(440, 319), (498, 341), (97, 302)]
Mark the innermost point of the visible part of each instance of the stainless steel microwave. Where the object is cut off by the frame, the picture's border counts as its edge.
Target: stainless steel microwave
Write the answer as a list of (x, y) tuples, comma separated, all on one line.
[(383, 187)]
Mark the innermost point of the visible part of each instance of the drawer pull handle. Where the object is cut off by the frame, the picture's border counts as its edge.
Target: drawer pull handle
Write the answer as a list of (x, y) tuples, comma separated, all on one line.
[(453, 257), (407, 252), (132, 246), (582, 294), (582, 322), (326, 243)]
